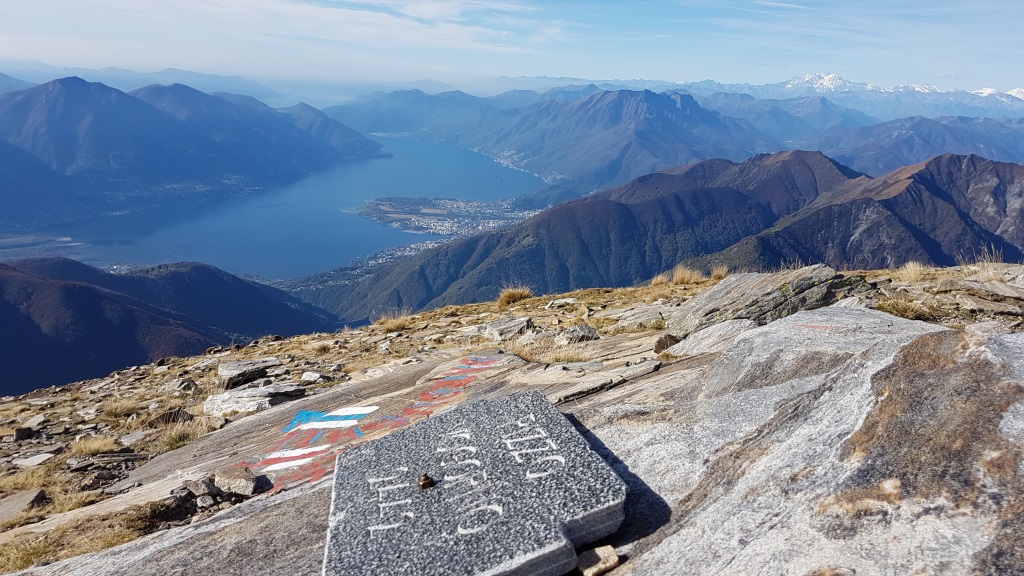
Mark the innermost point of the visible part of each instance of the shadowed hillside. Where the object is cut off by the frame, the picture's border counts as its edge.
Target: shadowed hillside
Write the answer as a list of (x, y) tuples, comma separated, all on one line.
[(66, 321)]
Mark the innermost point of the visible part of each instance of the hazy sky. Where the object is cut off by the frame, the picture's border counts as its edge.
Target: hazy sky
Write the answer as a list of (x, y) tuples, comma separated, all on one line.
[(966, 44)]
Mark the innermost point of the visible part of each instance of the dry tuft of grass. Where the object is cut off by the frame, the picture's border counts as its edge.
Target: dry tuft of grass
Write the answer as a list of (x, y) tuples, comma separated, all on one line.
[(182, 433), (662, 279), (719, 272), (680, 275), (911, 272), (513, 294), (908, 309), (322, 349), (36, 477), (89, 445), (395, 321), (988, 263), (116, 409), (685, 275)]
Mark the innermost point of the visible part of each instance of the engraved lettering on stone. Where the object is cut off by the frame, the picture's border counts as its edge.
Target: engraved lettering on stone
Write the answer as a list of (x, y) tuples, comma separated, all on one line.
[(529, 443), (389, 491), (545, 466), (466, 485)]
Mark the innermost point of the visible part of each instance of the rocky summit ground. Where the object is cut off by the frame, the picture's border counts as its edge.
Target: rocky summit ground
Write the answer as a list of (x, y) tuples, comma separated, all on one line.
[(806, 421)]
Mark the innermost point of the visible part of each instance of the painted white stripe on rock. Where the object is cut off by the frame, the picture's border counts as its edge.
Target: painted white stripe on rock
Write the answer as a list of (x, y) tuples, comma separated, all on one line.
[(289, 464), (295, 452), (326, 424), (353, 411)]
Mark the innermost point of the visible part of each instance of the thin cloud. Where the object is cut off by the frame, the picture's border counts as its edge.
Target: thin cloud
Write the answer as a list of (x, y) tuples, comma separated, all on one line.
[(781, 5)]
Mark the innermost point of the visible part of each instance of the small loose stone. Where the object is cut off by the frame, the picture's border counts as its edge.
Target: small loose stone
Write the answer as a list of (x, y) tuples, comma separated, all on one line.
[(598, 561)]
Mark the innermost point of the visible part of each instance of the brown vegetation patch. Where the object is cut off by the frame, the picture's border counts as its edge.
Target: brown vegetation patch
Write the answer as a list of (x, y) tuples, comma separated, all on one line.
[(936, 421), (105, 531), (512, 294), (911, 272), (89, 445), (908, 309), (395, 321)]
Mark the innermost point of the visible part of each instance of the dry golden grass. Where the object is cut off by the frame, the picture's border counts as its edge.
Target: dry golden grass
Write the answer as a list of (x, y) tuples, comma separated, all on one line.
[(685, 275), (63, 500), (117, 409), (908, 309), (35, 477), (600, 323), (65, 541), (59, 486), (182, 433), (395, 321), (662, 279), (639, 328), (89, 445), (322, 349), (13, 410), (719, 272), (512, 294), (988, 263), (910, 272), (545, 351)]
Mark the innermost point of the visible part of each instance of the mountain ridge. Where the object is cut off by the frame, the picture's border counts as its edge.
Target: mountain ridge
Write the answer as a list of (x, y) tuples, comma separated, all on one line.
[(106, 150), (766, 212), (72, 321)]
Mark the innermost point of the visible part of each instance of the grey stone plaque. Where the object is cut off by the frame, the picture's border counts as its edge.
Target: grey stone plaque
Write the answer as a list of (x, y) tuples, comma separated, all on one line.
[(515, 489)]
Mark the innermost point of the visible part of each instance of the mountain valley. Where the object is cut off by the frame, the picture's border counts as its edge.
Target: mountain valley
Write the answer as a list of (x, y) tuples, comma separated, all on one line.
[(101, 150), (769, 211)]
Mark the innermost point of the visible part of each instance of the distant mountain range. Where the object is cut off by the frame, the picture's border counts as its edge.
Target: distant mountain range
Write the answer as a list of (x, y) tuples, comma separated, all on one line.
[(127, 80), (65, 321), (886, 103), (585, 138), (97, 148), (768, 211), (10, 84)]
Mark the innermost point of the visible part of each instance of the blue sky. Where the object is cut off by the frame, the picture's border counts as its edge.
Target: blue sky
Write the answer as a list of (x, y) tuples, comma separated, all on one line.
[(946, 43)]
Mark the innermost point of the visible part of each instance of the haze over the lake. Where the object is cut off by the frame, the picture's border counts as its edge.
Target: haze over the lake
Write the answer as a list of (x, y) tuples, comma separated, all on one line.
[(945, 43)]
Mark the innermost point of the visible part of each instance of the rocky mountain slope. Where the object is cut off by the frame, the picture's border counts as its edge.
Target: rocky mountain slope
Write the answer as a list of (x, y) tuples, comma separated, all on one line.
[(65, 321), (947, 209), (769, 211), (101, 148), (597, 140), (881, 148), (769, 422)]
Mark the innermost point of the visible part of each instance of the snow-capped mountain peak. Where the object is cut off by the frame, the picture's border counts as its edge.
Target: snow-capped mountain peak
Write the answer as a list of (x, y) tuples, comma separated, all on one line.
[(920, 88), (825, 82), (1017, 93)]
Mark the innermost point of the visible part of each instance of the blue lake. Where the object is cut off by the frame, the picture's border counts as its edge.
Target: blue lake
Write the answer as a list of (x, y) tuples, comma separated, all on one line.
[(308, 227)]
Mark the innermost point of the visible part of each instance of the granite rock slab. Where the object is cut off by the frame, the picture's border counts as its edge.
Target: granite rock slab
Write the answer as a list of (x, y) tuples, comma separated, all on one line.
[(247, 400), (712, 339), (762, 297), (504, 486), (229, 369), (506, 328), (14, 504)]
